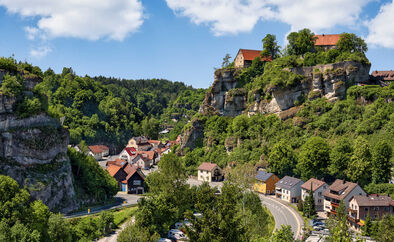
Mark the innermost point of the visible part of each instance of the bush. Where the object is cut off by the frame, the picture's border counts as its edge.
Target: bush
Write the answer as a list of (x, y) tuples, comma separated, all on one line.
[(11, 85), (8, 64)]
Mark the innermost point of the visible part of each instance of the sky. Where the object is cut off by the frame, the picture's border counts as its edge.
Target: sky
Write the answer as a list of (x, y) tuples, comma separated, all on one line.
[(178, 40)]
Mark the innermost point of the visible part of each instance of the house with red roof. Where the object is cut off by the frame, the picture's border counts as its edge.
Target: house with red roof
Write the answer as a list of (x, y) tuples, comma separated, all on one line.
[(209, 172), (98, 151), (139, 143), (318, 187), (129, 177), (142, 159), (245, 57), (327, 41)]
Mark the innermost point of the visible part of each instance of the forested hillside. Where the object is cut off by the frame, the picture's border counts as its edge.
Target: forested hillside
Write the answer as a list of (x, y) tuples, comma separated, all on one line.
[(350, 139)]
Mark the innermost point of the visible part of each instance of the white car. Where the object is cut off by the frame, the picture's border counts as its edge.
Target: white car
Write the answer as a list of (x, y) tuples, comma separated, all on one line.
[(164, 240), (176, 234)]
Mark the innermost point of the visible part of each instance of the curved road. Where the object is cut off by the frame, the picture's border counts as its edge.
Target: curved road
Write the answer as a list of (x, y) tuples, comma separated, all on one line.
[(283, 214)]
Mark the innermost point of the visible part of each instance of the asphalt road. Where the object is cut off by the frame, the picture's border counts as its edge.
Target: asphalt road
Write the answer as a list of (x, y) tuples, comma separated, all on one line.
[(122, 200), (283, 214)]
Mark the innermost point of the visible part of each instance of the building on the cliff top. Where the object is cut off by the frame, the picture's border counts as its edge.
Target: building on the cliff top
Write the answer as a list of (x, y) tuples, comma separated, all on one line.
[(245, 57), (265, 182), (209, 172), (98, 151), (327, 41), (384, 76)]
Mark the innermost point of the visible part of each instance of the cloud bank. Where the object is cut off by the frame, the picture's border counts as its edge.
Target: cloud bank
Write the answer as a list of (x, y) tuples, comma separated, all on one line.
[(381, 30)]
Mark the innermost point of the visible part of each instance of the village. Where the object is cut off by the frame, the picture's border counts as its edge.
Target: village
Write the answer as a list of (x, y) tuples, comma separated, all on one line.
[(142, 155)]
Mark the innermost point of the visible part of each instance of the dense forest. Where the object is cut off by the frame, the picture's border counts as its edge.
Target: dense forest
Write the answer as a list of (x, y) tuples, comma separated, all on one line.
[(104, 110)]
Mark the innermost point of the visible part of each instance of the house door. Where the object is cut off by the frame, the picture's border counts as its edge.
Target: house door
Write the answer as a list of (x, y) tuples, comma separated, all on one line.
[(124, 187)]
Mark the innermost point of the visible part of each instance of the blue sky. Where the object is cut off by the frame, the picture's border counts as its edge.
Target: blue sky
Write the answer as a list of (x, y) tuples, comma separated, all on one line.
[(176, 39)]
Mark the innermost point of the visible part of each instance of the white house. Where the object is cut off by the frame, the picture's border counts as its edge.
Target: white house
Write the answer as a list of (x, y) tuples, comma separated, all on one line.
[(289, 189), (318, 187), (209, 172), (98, 151), (340, 190)]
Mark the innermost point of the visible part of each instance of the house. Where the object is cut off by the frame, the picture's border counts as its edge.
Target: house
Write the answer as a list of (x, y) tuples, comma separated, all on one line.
[(318, 187), (265, 182), (134, 182), (384, 76), (289, 189), (245, 57), (130, 179), (376, 206), (127, 154), (209, 172), (327, 41), (155, 144), (139, 143), (340, 190), (98, 151)]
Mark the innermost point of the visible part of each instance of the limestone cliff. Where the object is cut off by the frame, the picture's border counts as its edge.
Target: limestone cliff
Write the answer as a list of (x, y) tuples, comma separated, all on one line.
[(193, 135), (329, 81), (33, 151)]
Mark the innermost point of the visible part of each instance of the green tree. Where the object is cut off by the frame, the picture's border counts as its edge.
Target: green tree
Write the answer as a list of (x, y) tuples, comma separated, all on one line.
[(381, 164), (385, 229), (314, 158), (284, 234), (309, 209), (59, 228), (340, 158), (367, 228), (226, 61), (359, 169), (105, 222), (39, 216), (282, 159), (338, 229), (270, 47), (20, 232), (300, 42), (11, 85), (133, 233), (351, 43), (150, 127)]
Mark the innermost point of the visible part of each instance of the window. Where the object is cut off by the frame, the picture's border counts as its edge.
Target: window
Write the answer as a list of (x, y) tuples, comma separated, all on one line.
[(376, 208), (319, 201), (365, 209), (319, 193), (137, 182), (386, 209)]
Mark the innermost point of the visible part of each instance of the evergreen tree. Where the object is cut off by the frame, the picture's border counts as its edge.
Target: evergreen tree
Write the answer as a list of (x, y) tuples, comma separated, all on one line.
[(226, 61), (284, 234), (309, 205), (338, 228), (367, 228)]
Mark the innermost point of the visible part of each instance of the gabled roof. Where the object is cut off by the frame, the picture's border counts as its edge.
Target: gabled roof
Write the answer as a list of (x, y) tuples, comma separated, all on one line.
[(130, 150), (342, 187), (377, 200), (113, 169), (131, 170), (250, 55), (151, 141), (327, 39), (147, 154), (206, 166), (96, 149), (316, 184), (263, 176), (383, 75), (117, 162), (141, 140), (288, 182)]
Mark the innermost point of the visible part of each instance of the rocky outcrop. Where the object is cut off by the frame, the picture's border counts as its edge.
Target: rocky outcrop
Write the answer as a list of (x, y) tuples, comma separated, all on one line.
[(223, 97), (193, 135), (329, 81), (33, 151)]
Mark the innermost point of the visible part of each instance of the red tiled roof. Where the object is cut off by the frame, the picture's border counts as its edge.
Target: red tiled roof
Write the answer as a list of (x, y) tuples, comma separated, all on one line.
[(148, 154), (250, 55), (131, 151), (113, 169), (131, 171), (339, 186), (117, 162), (384, 75), (206, 166), (96, 149), (316, 184), (327, 39), (151, 141)]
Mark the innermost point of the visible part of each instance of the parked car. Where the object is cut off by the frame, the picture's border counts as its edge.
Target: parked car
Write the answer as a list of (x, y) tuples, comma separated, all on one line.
[(176, 234), (164, 240)]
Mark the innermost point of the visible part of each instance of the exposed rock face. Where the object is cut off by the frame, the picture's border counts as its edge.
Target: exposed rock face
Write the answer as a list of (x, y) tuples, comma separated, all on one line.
[(192, 136), (33, 151), (329, 81), (222, 98)]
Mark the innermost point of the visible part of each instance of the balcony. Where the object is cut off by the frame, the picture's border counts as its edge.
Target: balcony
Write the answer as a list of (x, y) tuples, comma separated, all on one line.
[(334, 205), (352, 219), (351, 210), (333, 212)]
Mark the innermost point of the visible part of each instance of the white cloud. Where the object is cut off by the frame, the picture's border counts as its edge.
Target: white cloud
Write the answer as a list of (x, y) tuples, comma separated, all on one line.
[(381, 31), (224, 16), (40, 51), (85, 19), (235, 16)]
